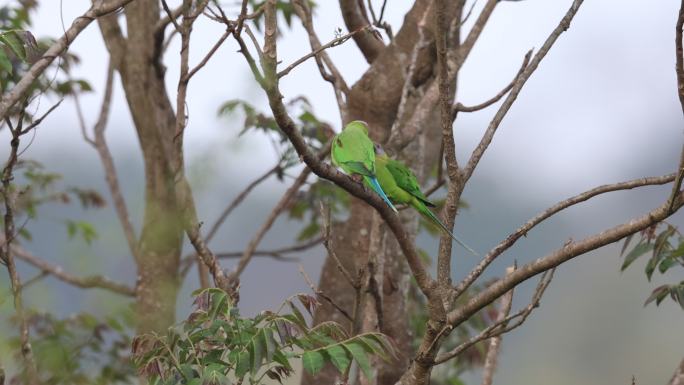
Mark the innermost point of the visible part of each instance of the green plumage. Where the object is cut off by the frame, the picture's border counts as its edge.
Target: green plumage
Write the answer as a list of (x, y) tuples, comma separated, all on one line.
[(353, 151), (401, 186)]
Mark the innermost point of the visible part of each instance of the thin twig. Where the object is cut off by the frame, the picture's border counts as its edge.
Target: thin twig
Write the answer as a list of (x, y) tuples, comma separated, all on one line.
[(491, 360), (334, 42), (238, 199), (558, 207), (461, 108), (502, 326), (99, 9), (6, 255), (327, 242), (95, 281), (679, 70), (321, 294), (279, 207), (99, 143), (513, 95)]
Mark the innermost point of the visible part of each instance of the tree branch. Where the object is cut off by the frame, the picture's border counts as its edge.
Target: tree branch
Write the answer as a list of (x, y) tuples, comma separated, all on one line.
[(335, 42), (679, 69), (99, 142), (57, 48), (270, 85), (95, 281), (513, 95), (495, 342), (524, 229), (461, 108), (6, 255), (500, 327), (355, 19), (570, 250)]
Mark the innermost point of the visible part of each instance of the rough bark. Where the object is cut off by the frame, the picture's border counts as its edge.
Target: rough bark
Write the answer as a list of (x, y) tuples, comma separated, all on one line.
[(137, 58), (376, 99)]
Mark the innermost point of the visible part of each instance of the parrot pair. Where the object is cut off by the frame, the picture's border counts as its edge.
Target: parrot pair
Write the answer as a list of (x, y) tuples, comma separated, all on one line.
[(354, 152)]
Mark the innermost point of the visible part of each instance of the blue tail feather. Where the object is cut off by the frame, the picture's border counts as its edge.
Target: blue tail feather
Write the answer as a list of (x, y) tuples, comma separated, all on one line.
[(373, 181), (438, 222)]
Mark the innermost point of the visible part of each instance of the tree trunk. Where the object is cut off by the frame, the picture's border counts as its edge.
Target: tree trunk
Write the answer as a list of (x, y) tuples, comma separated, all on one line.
[(137, 59), (376, 98)]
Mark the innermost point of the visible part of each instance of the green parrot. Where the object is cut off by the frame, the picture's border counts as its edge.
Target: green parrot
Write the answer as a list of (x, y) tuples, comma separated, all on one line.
[(402, 186), (352, 151)]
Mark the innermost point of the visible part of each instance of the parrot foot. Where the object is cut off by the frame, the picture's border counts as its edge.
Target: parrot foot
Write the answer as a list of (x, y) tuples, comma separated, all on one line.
[(357, 178)]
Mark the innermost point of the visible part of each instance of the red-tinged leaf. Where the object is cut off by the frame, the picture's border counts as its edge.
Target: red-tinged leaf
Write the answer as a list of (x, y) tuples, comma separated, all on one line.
[(639, 250), (309, 302), (658, 294)]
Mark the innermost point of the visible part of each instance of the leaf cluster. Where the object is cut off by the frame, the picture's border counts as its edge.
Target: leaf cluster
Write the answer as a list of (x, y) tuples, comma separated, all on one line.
[(664, 246), (80, 349), (216, 345)]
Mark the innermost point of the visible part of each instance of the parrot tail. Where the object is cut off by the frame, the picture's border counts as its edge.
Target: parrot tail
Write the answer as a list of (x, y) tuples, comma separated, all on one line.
[(373, 182), (429, 214)]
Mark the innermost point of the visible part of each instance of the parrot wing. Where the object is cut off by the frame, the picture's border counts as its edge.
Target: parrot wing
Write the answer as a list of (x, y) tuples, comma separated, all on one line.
[(406, 180)]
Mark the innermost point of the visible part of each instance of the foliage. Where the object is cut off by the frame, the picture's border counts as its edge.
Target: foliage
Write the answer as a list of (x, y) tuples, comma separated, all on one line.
[(35, 187), (215, 345), (664, 245), (80, 349)]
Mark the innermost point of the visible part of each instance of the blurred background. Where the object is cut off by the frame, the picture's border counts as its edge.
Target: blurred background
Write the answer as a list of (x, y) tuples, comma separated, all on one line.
[(602, 108)]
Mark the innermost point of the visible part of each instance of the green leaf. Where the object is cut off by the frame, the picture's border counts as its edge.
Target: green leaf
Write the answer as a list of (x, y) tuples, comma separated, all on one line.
[(359, 353), (313, 361), (14, 42), (639, 250), (658, 294), (666, 264), (5, 63), (308, 232), (339, 357), (256, 349), (624, 245)]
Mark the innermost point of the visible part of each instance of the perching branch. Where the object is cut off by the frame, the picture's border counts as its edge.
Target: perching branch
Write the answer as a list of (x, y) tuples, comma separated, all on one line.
[(355, 18), (95, 281), (100, 9), (270, 86), (558, 207)]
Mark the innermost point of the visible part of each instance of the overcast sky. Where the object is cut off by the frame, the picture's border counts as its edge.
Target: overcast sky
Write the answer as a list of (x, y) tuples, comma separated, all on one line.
[(601, 108)]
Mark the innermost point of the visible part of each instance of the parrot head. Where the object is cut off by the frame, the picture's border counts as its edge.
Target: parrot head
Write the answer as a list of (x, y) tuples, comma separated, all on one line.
[(358, 125)]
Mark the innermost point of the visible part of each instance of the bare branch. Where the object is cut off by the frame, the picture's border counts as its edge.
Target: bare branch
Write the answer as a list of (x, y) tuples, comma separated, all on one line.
[(678, 376), (679, 69), (99, 142), (95, 281), (524, 229), (501, 326), (238, 199), (241, 18), (446, 96), (57, 48), (334, 77), (355, 18), (6, 255), (335, 42), (570, 250), (327, 242), (461, 108), (321, 294), (208, 56), (495, 342), (513, 95), (279, 207)]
